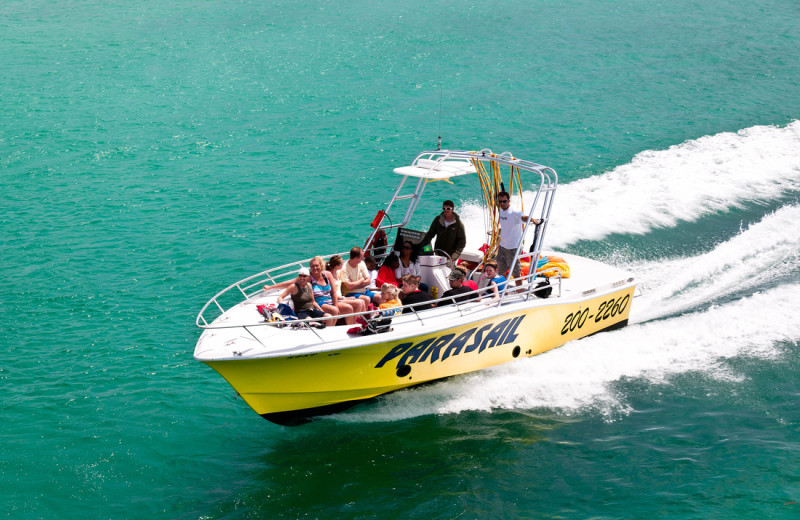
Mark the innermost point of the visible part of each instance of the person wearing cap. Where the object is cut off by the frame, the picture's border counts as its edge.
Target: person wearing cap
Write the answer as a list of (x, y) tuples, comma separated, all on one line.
[(458, 291), (448, 230), (466, 282), (303, 298)]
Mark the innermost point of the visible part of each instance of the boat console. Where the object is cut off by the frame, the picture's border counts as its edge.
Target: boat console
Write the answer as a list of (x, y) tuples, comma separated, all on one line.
[(434, 272)]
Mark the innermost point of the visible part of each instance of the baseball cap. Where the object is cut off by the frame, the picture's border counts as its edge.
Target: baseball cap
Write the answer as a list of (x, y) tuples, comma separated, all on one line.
[(455, 274)]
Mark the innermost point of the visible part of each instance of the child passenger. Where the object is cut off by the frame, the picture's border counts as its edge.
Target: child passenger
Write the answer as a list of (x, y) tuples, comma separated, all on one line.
[(491, 281), (413, 295), (379, 321), (391, 304)]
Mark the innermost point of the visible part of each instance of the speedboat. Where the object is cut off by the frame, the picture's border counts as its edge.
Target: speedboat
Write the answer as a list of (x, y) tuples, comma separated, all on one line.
[(288, 371)]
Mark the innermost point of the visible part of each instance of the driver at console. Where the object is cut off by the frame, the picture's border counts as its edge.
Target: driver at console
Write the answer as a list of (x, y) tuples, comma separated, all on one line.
[(448, 230)]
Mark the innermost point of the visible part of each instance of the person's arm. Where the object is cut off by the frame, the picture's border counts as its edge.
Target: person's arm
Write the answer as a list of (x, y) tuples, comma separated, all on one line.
[(462, 241), (430, 234), (349, 285), (334, 296), (286, 292), (495, 294), (345, 282), (352, 285), (281, 285), (365, 279)]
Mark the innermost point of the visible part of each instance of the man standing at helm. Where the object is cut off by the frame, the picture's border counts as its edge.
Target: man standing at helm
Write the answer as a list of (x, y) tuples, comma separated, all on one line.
[(511, 229), (448, 230)]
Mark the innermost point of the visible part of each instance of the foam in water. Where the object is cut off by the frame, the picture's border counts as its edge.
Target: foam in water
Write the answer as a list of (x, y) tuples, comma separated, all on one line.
[(580, 375), (765, 253), (660, 188)]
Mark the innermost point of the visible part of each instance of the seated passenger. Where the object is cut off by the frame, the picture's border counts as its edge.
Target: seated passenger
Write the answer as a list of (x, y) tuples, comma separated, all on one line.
[(323, 286), (391, 304), (467, 265), (491, 281), (409, 263), (372, 267), (409, 260), (335, 266), (412, 295), (303, 297), (466, 281), (457, 291), (380, 321), (387, 272), (355, 278)]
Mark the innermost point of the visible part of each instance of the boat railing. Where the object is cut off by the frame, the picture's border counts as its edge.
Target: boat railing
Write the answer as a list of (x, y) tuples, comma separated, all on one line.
[(509, 294), (249, 288)]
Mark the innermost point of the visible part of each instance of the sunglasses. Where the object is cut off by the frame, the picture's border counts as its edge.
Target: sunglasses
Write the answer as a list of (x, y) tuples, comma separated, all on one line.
[(406, 247), (503, 201), (447, 208)]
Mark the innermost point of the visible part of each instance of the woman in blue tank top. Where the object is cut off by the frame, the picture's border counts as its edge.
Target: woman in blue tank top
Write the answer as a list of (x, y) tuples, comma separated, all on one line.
[(324, 293)]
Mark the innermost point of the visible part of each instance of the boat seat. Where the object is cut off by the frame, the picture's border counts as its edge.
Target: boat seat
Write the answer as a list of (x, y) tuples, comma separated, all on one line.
[(471, 256)]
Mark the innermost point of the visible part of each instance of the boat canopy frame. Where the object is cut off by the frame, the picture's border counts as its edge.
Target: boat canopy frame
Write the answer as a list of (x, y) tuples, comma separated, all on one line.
[(438, 165)]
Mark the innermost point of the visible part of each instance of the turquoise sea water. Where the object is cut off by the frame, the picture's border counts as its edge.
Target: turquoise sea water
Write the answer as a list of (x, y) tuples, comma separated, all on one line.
[(152, 153)]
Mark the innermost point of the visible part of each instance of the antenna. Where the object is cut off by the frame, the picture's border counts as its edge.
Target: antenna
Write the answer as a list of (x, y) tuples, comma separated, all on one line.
[(441, 95)]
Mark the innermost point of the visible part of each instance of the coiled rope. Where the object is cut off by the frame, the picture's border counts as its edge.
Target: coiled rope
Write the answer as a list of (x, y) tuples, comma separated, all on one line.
[(491, 184)]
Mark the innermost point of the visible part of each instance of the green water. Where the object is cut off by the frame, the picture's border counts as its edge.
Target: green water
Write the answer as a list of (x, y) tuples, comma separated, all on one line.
[(152, 153)]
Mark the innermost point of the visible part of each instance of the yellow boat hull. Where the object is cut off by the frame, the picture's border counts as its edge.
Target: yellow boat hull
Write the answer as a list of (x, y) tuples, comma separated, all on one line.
[(282, 389)]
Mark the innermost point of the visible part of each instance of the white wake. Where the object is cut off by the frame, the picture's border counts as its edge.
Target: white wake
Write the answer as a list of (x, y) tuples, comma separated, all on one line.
[(765, 253), (580, 375)]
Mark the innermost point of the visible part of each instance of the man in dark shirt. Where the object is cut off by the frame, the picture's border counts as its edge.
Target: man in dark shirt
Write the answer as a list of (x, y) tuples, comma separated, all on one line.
[(457, 289), (449, 232)]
